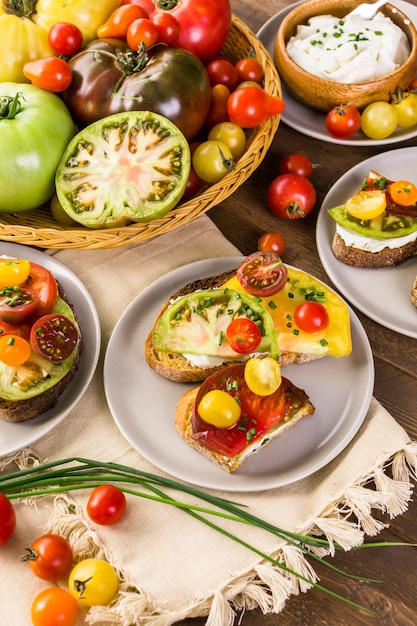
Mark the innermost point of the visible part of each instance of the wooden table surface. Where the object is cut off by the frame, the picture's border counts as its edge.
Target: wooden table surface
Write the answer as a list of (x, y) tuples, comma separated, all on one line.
[(243, 218)]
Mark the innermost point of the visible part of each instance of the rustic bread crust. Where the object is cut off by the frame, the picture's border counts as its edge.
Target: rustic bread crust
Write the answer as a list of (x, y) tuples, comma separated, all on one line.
[(177, 368), (23, 410), (414, 292), (183, 426), (387, 257)]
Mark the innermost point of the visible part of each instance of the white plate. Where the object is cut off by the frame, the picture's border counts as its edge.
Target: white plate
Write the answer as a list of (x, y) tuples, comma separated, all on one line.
[(143, 403), (14, 437), (309, 121), (382, 294)]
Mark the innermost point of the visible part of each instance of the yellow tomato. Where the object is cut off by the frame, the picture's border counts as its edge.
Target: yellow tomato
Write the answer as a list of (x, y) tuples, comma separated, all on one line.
[(24, 32), (218, 408), (13, 271), (366, 205), (263, 375)]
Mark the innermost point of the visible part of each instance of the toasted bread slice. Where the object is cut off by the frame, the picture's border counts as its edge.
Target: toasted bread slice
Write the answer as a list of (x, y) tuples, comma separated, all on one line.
[(414, 292), (388, 257), (183, 425), (23, 410)]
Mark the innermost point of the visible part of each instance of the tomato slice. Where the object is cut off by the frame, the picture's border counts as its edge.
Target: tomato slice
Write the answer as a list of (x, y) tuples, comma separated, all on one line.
[(243, 335), (262, 274), (42, 282), (404, 194), (14, 350), (13, 271), (54, 337), (263, 375), (17, 304), (366, 205)]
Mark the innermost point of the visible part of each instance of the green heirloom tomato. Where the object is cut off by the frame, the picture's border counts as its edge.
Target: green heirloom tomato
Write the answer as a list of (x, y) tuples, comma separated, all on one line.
[(35, 128), (130, 166), (108, 77)]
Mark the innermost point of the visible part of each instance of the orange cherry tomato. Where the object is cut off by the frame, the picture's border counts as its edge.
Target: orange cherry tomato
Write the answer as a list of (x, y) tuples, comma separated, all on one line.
[(403, 192), (51, 73), (14, 350), (118, 23), (218, 106), (54, 606)]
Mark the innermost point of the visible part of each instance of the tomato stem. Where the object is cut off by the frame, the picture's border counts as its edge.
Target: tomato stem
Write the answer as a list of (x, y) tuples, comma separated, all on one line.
[(10, 107), (21, 8)]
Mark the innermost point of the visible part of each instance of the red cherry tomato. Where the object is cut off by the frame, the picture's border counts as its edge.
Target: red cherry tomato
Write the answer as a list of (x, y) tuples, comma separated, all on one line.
[(17, 304), (50, 557), (262, 274), (222, 72), (243, 335), (42, 282), (7, 519), (54, 606), (250, 106), (65, 38), (311, 316), (291, 196), (119, 21), (296, 163), (147, 5), (168, 27), (106, 505), (194, 185), (142, 30), (51, 73), (272, 242), (54, 337), (343, 121), (249, 69)]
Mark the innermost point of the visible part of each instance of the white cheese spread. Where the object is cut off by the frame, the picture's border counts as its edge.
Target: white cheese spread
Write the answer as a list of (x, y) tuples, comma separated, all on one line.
[(369, 244), (349, 50)]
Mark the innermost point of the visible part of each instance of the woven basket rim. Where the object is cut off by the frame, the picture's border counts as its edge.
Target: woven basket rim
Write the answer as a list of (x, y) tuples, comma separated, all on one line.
[(37, 229)]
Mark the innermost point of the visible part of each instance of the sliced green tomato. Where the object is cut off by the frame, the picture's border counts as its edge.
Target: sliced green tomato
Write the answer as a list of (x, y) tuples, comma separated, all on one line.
[(384, 226), (366, 205), (127, 167)]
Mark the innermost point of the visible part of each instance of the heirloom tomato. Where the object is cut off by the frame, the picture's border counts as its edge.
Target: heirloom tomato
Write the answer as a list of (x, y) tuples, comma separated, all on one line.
[(24, 28), (204, 24), (291, 196), (35, 127), (109, 77), (212, 160), (262, 274), (130, 166)]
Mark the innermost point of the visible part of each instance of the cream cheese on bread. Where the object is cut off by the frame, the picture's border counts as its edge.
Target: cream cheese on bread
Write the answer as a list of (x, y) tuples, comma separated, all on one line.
[(371, 244)]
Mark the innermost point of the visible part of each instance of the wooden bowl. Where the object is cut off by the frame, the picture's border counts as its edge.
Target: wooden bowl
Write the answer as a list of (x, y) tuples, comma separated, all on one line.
[(322, 94)]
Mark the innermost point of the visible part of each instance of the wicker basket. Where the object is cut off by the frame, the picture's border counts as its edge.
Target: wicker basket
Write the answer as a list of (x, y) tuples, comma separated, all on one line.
[(38, 227)]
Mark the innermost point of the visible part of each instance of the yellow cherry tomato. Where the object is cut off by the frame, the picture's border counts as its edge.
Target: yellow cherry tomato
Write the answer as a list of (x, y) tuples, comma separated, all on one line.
[(14, 350), (263, 375), (366, 205), (93, 582), (219, 409), (13, 272)]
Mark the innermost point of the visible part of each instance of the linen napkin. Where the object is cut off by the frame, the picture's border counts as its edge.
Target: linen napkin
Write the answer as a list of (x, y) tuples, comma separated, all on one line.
[(172, 566)]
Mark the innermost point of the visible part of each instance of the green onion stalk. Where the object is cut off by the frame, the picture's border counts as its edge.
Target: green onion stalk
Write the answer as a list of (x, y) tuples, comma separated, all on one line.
[(78, 473)]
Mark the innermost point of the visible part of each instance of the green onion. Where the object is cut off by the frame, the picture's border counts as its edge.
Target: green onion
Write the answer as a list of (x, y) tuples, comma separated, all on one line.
[(78, 473)]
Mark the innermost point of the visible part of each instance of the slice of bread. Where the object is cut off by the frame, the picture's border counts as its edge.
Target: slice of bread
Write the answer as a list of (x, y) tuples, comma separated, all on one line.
[(179, 369), (388, 257), (23, 410), (414, 292), (183, 425)]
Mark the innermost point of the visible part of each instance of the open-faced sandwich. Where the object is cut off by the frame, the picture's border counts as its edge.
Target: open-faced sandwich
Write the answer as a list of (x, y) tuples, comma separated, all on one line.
[(377, 227), (238, 410), (40, 340), (261, 308)]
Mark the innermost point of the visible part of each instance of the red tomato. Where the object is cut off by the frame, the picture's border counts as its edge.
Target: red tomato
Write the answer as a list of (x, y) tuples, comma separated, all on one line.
[(194, 185), (311, 316), (243, 335), (42, 282), (262, 274), (16, 305), (142, 30), (168, 27), (106, 505), (204, 25), (65, 38), (250, 106), (343, 121), (53, 607), (119, 21), (291, 196), (21, 330), (272, 242), (7, 519), (50, 557), (249, 69), (54, 337), (222, 72), (51, 73), (296, 163)]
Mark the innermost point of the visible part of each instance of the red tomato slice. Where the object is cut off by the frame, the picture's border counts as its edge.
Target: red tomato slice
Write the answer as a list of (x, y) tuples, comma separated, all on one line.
[(262, 274), (42, 282), (16, 304), (243, 335), (54, 337)]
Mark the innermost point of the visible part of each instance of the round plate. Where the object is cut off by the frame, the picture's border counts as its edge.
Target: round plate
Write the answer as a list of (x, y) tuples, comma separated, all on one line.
[(143, 403), (311, 122), (14, 437), (382, 294)]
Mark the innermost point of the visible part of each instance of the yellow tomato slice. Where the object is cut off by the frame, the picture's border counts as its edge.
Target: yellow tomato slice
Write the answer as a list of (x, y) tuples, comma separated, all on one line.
[(366, 205), (13, 271), (218, 408), (263, 375)]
